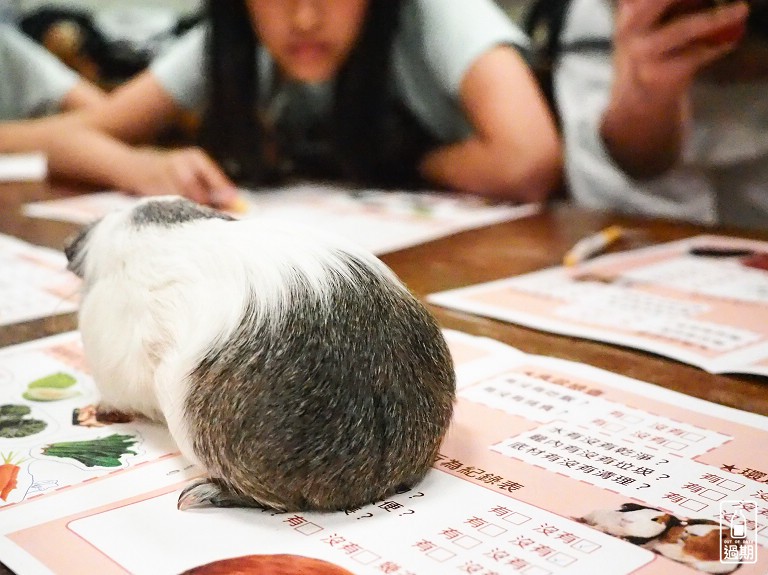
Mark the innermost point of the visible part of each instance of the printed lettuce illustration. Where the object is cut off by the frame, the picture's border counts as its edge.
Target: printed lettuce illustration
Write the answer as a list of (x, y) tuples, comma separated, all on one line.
[(51, 388)]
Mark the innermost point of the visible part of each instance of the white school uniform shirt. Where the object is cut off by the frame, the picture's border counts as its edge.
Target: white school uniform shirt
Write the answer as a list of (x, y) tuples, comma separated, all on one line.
[(436, 43), (722, 175), (33, 82)]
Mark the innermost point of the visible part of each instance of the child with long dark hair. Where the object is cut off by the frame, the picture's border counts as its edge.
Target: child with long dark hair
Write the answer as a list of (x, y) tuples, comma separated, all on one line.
[(371, 92)]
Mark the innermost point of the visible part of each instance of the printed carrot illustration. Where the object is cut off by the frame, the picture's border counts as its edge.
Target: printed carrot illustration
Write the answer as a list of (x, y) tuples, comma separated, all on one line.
[(9, 472)]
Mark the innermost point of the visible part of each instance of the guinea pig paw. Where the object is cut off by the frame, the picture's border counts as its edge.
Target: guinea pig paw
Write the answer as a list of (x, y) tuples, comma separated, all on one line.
[(206, 493), (107, 415)]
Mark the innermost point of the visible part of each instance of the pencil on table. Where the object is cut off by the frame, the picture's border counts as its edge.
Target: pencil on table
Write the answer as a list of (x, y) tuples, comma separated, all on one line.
[(592, 245)]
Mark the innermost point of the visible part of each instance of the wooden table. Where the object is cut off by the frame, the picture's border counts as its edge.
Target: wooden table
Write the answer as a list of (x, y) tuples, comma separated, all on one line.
[(480, 255)]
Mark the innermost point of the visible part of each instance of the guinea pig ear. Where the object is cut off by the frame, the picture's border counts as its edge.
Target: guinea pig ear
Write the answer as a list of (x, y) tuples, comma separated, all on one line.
[(74, 250), (625, 507)]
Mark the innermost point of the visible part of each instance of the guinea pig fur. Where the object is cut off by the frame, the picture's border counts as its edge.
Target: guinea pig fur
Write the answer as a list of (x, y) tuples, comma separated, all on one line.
[(293, 367)]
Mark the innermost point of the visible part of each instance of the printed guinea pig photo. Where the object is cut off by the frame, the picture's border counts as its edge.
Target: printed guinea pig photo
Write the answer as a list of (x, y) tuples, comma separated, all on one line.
[(290, 365), (695, 543)]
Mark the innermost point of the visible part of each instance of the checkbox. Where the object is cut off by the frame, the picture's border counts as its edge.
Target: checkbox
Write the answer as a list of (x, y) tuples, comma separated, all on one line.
[(692, 437), (693, 505), (536, 570), (441, 554), (712, 495), (516, 518), (730, 485), (467, 542), (561, 559), (492, 530), (366, 557), (633, 419), (308, 528), (586, 546)]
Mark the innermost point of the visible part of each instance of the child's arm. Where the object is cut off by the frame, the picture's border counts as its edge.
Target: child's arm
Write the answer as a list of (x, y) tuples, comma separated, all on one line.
[(655, 63), (91, 146), (515, 151), (82, 94)]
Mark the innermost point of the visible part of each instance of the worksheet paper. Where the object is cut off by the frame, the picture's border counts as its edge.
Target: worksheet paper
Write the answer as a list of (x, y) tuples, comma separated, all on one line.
[(540, 455), (34, 282), (710, 311), (381, 221)]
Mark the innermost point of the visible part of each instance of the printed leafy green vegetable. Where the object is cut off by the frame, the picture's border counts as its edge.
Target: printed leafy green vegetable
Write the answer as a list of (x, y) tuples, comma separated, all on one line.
[(48, 394), (14, 422), (56, 380), (51, 388), (103, 452), (15, 410)]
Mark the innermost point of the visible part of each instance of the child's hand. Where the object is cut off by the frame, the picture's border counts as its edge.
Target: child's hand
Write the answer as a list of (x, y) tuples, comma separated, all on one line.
[(660, 45), (188, 172), (658, 51), (731, 31)]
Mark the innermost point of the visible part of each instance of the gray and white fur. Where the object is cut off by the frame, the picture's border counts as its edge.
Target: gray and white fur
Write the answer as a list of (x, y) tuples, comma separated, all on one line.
[(293, 367)]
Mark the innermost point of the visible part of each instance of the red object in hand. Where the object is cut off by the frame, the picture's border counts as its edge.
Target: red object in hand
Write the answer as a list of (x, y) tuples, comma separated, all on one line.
[(758, 261), (724, 35), (727, 34)]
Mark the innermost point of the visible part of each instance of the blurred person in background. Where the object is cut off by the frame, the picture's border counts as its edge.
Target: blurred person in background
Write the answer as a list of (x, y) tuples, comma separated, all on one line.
[(663, 108), (34, 82), (377, 93)]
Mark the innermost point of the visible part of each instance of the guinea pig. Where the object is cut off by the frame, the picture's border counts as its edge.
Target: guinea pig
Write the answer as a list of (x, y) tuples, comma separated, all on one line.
[(696, 543), (292, 366), (633, 522)]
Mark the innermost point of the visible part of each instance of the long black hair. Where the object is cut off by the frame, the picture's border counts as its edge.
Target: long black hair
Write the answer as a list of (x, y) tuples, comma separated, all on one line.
[(373, 140)]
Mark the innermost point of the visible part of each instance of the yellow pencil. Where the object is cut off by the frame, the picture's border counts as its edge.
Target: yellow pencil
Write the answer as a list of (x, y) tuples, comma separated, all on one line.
[(592, 245)]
